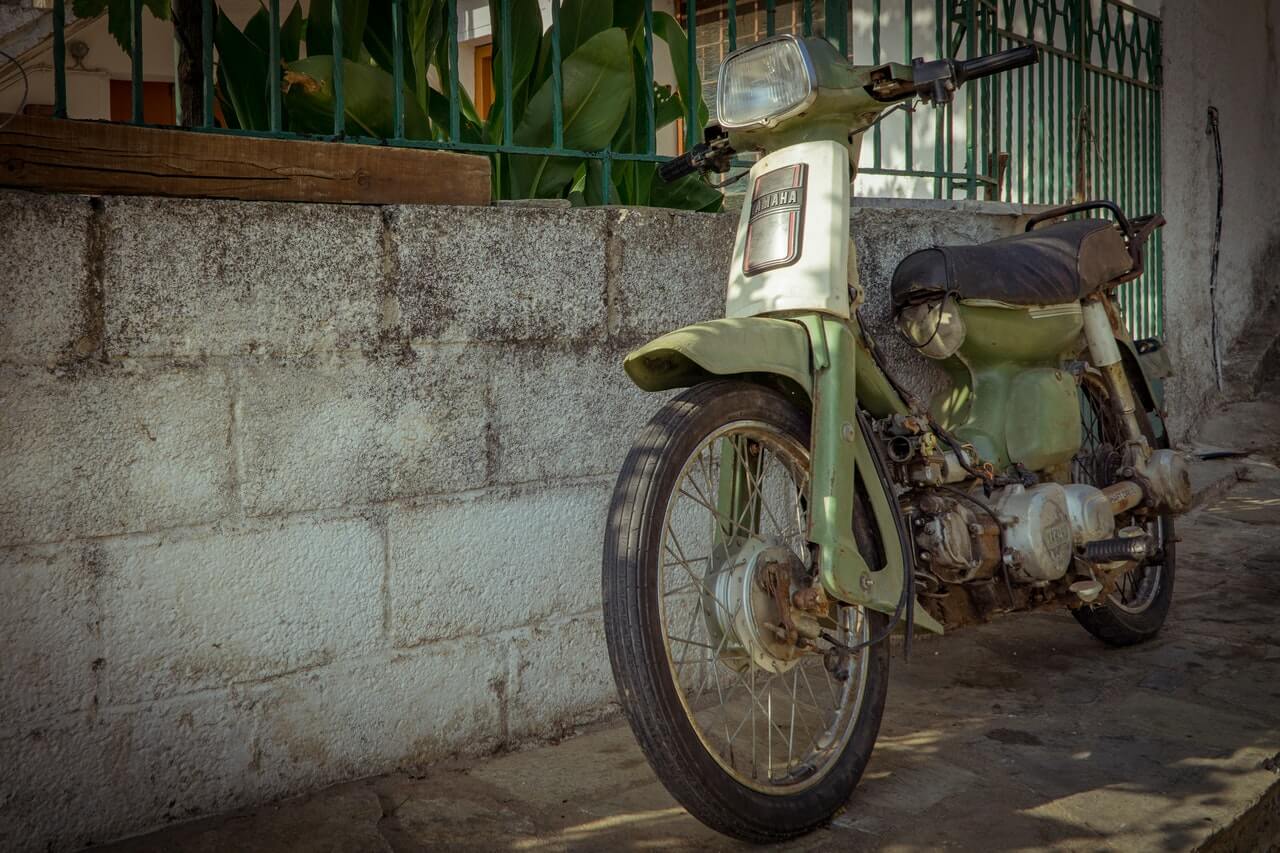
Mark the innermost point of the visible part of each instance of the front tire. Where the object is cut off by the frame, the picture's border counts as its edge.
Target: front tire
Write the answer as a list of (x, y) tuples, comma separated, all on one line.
[(689, 685)]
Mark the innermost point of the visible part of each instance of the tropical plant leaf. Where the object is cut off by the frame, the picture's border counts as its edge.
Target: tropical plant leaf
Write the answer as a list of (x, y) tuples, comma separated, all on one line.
[(291, 34), (582, 19), (355, 13), (688, 193), (593, 187), (597, 81), (243, 66), (119, 16), (526, 39), (669, 30), (368, 99), (629, 14)]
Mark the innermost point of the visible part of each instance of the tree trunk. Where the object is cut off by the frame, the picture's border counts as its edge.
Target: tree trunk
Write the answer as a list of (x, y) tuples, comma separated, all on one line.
[(190, 77)]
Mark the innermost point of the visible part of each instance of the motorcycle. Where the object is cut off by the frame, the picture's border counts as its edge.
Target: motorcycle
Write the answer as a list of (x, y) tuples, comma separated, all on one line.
[(795, 505)]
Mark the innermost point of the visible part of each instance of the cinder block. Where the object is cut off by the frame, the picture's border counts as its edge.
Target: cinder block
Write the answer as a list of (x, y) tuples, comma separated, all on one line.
[(43, 282), (191, 277), (388, 710), (350, 431), (110, 450), (90, 779), (500, 273), (183, 614), (565, 412), (670, 269), (49, 634), (563, 678), (477, 566)]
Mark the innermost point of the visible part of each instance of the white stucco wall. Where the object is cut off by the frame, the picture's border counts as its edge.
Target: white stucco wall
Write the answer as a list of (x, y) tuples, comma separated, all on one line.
[(1229, 61)]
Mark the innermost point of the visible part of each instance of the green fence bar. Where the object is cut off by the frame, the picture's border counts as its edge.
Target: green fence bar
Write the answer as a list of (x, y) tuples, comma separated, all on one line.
[(557, 94), (273, 61), (807, 12), (770, 17), (733, 25), (206, 60), (59, 58), (875, 60), (339, 71), (692, 131), (135, 37), (455, 105), (397, 67), (504, 32), (651, 128)]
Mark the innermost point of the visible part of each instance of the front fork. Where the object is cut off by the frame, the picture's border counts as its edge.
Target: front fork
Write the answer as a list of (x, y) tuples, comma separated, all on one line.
[(839, 456)]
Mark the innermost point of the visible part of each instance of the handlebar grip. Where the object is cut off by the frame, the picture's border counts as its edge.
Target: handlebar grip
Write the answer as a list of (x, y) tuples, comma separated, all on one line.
[(1005, 60), (675, 169)]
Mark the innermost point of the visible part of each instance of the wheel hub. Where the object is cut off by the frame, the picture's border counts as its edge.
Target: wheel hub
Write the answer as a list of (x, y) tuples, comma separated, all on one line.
[(747, 608)]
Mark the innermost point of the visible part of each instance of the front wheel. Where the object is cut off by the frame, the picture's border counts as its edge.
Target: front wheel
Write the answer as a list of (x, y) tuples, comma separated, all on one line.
[(757, 739)]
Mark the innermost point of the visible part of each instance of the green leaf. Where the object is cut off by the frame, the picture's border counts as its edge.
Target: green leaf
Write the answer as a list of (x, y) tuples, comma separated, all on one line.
[(688, 193), (320, 27), (629, 14), (593, 188), (597, 81), (291, 34), (669, 30), (526, 37), (119, 16), (244, 68), (368, 99), (582, 19)]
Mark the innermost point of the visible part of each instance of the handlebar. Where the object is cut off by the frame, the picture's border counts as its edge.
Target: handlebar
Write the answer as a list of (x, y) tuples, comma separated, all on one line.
[(996, 63)]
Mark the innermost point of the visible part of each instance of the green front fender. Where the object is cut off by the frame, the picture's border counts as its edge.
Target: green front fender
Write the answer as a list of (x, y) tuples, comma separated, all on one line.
[(775, 352), (795, 357)]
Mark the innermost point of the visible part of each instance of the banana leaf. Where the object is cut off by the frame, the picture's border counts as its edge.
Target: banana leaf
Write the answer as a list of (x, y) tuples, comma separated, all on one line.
[(597, 81), (526, 39), (424, 30), (580, 20), (243, 68), (368, 101), (320, 27), (258, 30), (688, 193)]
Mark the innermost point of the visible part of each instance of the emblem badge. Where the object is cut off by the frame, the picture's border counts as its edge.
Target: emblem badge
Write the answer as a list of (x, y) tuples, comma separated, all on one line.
[(777, 219)]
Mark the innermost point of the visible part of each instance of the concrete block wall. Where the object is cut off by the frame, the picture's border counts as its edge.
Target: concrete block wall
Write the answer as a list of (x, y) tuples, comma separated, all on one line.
[(295, 494)]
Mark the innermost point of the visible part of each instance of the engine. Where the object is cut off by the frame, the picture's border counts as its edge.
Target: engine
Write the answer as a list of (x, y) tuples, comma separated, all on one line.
[(1039, 529)]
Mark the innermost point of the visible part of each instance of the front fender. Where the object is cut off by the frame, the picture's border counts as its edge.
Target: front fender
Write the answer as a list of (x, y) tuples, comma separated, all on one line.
[(754, 347)]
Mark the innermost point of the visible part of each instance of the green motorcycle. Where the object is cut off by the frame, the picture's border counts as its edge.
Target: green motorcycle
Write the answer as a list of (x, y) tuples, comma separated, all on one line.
[(775, 522)]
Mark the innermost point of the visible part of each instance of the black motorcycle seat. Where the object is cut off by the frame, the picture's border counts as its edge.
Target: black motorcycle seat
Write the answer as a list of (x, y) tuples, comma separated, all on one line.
[(1059, 263)]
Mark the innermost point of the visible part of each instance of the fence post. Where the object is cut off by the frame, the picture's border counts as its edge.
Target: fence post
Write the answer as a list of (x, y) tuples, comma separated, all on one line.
[(1080, 49)]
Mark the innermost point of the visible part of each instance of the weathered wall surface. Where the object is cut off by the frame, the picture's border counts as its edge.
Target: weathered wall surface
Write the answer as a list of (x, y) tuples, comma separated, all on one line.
[(1226, 56), (298, 493)]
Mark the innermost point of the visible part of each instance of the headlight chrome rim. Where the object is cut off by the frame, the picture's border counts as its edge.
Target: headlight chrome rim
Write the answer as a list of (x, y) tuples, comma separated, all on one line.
[(811, 78)]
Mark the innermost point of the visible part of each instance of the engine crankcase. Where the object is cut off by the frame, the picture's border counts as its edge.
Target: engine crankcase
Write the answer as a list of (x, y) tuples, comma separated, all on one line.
[(1037, 530)]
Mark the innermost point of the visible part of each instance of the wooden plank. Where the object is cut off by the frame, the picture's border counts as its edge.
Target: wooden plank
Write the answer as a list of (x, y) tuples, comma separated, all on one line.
[(116, 159)]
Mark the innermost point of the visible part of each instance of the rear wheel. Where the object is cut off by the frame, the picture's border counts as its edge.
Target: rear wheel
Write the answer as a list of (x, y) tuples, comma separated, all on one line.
[(1136, 609), (757, 739)]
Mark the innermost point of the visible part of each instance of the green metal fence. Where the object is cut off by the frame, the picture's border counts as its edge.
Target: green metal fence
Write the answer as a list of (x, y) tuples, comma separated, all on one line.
[(1084, 123)]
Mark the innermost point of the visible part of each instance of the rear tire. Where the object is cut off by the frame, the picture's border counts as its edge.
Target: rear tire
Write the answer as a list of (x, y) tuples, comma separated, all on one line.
[(666, 722), (1137, 610)]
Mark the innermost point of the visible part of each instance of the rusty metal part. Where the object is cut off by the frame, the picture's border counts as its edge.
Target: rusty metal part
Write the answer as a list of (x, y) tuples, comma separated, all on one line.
[(1124, 496), (811, 599), (776, 580)]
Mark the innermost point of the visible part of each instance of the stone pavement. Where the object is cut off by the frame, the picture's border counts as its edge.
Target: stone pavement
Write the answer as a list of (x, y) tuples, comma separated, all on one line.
[(1025, 734)]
